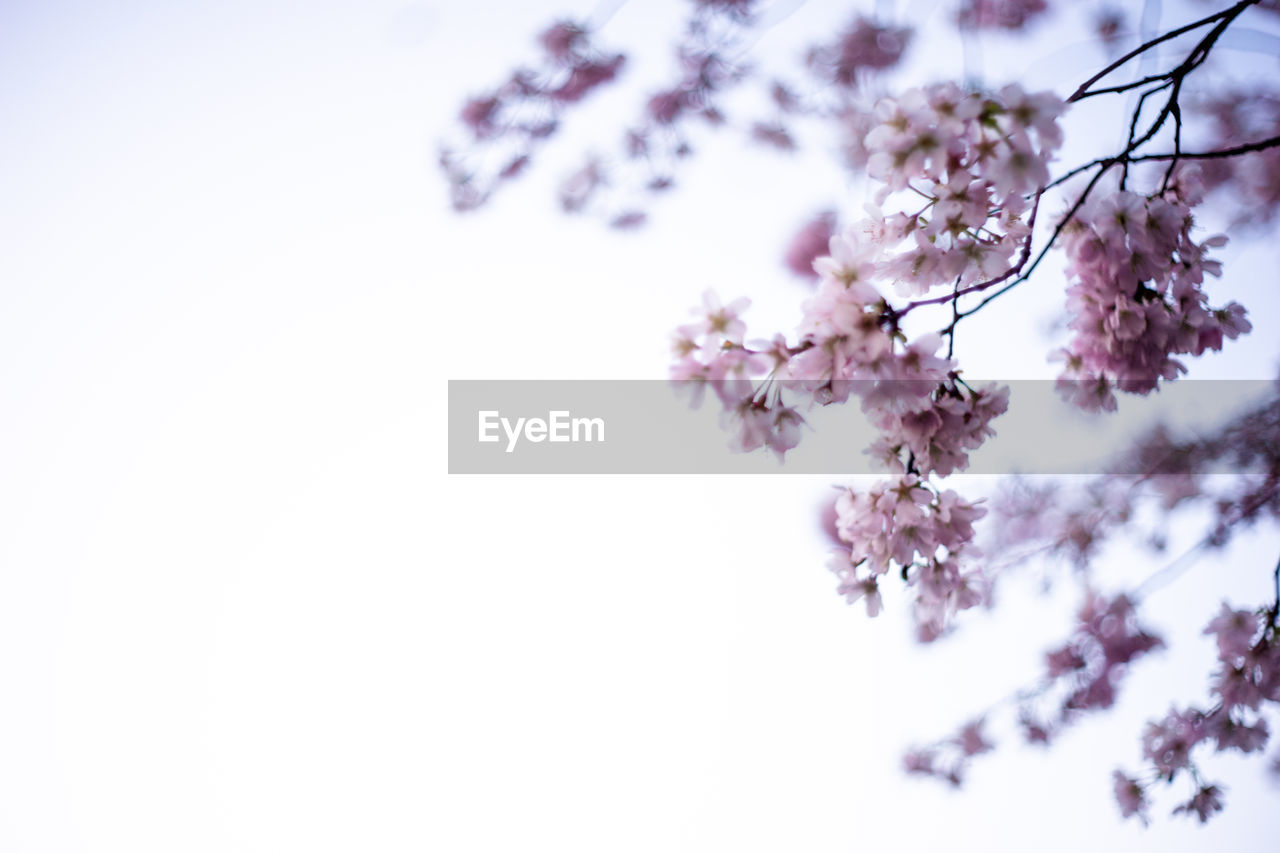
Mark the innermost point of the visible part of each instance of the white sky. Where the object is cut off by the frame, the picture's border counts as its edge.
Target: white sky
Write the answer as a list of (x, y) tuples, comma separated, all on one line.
[(242, 605)]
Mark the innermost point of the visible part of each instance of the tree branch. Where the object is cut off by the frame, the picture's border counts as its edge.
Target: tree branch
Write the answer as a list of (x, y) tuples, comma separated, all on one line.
[(1083, 91), (1260, 145)]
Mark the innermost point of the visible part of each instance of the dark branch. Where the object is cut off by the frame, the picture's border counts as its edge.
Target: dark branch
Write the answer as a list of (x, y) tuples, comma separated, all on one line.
[(1083, 92), (1260, 145), (1274, 613)]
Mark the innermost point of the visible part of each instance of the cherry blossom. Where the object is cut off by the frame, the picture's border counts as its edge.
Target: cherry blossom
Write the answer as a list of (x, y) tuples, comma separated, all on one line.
[(1131, 796), (966, 199), (1000, 14), (508, 123), (1138, 297), (810, 243)]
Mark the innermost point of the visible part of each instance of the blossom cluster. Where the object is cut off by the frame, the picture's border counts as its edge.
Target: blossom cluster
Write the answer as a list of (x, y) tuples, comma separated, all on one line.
[(928, 419), (976, 166), (961, 176), (1082, 675), (841, 73), (508, 122), (949, 759), (709, 64), (1087, 669), (1250, 182), (909, 526), (1138, 295), (977, 161), (809, 243), (1247, 678), (937, 437), (1160, 476), (999, 14), (1072, 525), (654, 146), (864, 46)]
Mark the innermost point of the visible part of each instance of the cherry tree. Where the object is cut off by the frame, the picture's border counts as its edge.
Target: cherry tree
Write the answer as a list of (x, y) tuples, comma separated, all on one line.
[(971, 195)]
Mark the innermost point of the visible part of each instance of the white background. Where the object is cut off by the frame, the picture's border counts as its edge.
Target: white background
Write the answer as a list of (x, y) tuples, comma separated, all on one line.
[(244, 607)]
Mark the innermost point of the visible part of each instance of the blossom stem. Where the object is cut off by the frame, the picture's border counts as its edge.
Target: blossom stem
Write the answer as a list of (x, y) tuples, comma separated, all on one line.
[(976, 288)]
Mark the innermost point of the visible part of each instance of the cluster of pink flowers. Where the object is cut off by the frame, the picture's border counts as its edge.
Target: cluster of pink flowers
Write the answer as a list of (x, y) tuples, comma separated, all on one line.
[(710, 353), (841, 92), (961, 146), (1251, 182), (810, 243), (962, 175), (843, 331), (1088, 668), (1109, 25), (970, 154), (1138, 297), (949, 759), (909, 526), (711, 350), (1071, 525), (937, 438), (1081, 676), (572, 68), (508, 122), (653, 148), (1161, 475), (1248, 676), (705, 70), (864, 46), (928, 420), (999, 14), (980, 163), (976, 160), (1158, 474)]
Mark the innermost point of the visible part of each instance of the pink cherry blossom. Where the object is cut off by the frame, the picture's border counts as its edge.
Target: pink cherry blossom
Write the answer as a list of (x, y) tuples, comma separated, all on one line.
[(1207, 801), (1235, 631), (1131, 796)]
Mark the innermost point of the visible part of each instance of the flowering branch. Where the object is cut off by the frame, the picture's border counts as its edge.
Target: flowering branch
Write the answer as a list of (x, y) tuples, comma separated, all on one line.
[(1169, 80), (1224, 17), (979, 162), (962, 175), (509, 122)]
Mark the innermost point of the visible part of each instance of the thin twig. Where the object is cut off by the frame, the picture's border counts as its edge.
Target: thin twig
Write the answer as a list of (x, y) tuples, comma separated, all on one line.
[(984, 285), (1260, 145), (1057, 232), (1274, 612), (1083, 92)]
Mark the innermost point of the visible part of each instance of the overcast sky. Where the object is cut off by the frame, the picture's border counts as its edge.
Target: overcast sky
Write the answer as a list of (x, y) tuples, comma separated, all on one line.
[(244, 607)]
